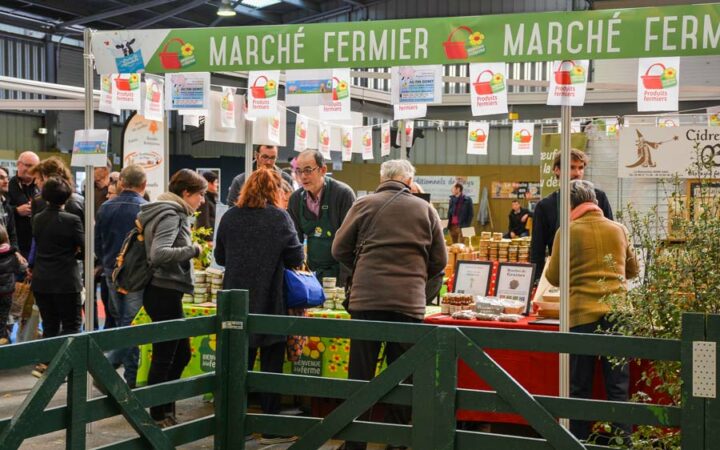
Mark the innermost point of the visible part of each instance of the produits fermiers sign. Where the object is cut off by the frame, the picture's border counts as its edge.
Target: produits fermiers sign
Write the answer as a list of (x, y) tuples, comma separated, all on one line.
[(623, 33)]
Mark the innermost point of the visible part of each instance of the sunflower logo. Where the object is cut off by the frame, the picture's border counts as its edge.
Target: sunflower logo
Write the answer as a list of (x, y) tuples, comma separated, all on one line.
[(473, 136), (669, 73), (714, 119), (498, 78), (578, 70), (342, 86), (517, 136), (476, 38), (187, 49), (271, 84), (134, 78)]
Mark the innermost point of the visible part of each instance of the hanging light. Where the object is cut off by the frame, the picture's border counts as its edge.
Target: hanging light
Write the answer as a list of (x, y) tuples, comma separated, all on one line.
[(260, 3), (225, 9)]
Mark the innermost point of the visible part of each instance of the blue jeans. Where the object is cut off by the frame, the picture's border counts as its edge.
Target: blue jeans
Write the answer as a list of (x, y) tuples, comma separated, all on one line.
[(123, 308)]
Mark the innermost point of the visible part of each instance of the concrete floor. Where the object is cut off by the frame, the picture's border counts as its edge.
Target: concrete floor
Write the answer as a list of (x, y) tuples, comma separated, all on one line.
[(16, 384)]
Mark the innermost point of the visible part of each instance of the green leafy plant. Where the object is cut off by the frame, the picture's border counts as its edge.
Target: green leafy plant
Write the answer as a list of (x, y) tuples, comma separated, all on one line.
[(200, 236)]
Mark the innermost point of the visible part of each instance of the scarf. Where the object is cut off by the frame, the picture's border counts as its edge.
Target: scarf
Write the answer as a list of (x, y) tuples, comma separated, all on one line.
[(170, 197), (582, 209)]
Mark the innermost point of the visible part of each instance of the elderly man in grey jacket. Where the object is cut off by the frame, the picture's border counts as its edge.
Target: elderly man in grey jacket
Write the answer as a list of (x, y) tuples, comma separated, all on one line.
[(403, 248)]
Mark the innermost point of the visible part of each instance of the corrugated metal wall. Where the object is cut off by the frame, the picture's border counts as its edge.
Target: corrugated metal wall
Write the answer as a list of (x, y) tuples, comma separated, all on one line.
[(21, 58), (18, 132)]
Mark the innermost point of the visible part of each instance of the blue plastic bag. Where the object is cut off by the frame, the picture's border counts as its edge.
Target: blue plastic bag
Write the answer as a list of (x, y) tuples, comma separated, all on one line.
[(302, 289)]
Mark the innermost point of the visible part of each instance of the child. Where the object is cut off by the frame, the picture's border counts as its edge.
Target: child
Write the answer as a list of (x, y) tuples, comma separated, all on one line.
[(9, 267)]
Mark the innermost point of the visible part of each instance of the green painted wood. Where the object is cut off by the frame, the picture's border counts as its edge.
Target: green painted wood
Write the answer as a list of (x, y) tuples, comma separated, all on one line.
[(445, 391), (232, 368), (584, 344), (29, 411), (365, 397), (693, 409), (27, 353), (104, 374), (423, 398), (712, 405), (77, 394), (183, 433), (476, 440), (575, 408), (516, 395), (353, 329)]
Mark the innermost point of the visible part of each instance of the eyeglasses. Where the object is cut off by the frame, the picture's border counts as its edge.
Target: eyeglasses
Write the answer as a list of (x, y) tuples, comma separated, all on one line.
[(306, 170), (267, 158)]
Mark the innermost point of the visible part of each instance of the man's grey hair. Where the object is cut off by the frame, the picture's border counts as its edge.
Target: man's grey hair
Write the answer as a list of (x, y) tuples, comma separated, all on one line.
[(581, 191), (133, 177), (396, 169)]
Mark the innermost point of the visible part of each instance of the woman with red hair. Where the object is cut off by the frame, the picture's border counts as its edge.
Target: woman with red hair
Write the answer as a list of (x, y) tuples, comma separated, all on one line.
[(256, 240)]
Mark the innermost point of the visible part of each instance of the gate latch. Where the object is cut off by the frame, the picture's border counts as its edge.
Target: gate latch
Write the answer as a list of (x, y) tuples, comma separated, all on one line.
[(233, 325)]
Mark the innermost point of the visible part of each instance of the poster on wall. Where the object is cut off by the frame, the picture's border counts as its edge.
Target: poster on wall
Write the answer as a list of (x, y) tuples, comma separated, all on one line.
[(477, 138), (522, 138), (549, 148), (214, 129), (126, 91), (385, 139), (528, 190), (515, 282), (90, 148), (339, 106), (401, 112), (187, 92), (440, 187), (154, 108), (308, 87), (347, 143), (488, 89), (301, 133), (144, 144), (658, 84), (367, 143), (263, 93), (568, 82), (107, 99), (416, 84), (654, 152)]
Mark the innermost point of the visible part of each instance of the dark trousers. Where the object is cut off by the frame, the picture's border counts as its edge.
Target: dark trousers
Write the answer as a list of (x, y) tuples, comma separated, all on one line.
[(455, 234), (105, 299), (272, 358), (168, 358), (5, 304), (363, 362), (60, 313), (582, 372)]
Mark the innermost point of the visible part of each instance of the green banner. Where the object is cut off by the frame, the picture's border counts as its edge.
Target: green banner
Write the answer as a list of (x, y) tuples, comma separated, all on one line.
[(549, 147), (624, 33)]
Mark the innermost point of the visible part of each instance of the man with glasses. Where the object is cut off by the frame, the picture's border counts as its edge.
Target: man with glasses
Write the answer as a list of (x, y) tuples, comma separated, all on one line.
[(265, 156), (21, 191), (318, 209)]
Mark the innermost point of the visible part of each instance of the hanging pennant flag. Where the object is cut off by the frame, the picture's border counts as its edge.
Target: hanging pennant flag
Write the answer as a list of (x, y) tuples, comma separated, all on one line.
[(126, 91), (416, 84), (339, 106), (611, 127), (324, 140), (477, 140), (667, 121), (263, 93), (188, 92), (568, 82), (274, 128), (301, 131), (154, 108), (658, 84), (409, 111), (367, 143), (385, 139), (575, 126), (488, 89), (522, 138), (227, 107), (346, 142), (107, 100), (409, 129), (713, 116)]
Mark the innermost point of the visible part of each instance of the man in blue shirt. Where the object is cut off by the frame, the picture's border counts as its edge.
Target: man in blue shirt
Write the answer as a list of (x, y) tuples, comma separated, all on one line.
[(115, 219)]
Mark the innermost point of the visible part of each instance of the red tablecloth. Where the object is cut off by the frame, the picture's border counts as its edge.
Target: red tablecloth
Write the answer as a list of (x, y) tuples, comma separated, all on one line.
[(538, 372)]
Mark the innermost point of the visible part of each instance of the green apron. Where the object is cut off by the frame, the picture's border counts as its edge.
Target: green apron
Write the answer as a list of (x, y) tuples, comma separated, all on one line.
[(320, 234)]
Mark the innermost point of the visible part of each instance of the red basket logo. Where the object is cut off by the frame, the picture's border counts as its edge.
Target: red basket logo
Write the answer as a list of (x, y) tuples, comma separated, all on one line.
[(478, 135), (174, 60), (483, 87), (523, 136), (563, 76), (665, 79), (461, 49)]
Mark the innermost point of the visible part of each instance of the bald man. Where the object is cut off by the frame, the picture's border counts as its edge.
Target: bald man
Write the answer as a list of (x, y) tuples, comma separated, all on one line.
[(21, 191)]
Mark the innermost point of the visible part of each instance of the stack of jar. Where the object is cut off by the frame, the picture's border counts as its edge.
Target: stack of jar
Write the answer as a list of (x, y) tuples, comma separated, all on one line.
[(207, 284), (215, 281), (334, 296), (453, 302)]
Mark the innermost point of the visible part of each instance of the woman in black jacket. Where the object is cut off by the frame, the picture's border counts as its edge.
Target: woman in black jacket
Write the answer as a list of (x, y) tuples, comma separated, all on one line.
[(256, 241)]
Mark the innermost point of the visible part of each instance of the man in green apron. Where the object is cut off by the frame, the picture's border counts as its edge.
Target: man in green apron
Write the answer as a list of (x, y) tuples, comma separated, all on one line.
[(318, 209)]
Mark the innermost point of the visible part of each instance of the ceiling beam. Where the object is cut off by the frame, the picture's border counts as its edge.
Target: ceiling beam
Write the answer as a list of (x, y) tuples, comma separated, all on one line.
[(354, 3), (304, 4), (113, 13), (180, 19), (175, 11), (256, 14)]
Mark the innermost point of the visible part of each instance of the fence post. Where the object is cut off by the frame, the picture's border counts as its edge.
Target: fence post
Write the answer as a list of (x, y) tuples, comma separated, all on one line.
[(231, 370), (693, 408), (77, 393), (712, 405)]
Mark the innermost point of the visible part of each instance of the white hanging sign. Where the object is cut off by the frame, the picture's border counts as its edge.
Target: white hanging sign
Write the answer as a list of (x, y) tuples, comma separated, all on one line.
[(107, 100), (301, 133), (191, 120), (227, 107), (522, 138), (126, 91), (416, 84), (488, 89), (263, 93), (477, 139), (385, 139), (187, 92), (658, 84), (575, 126), (214, 129), (274, 128), (154, 107), (90, 148), (611, 127), (409, 129), (713, 116), (367, 143), (667, 121), (324, 140), (568, 82), (308, 87), (409, 111), (347, 143), (339, 108)]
